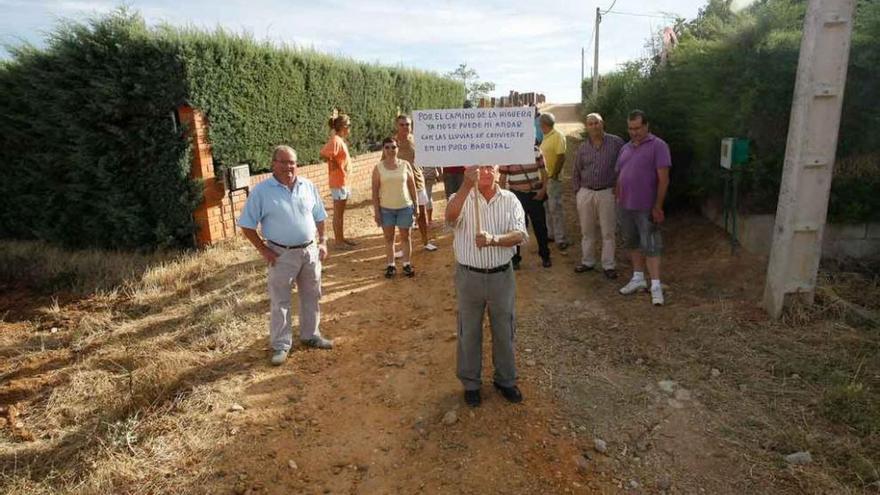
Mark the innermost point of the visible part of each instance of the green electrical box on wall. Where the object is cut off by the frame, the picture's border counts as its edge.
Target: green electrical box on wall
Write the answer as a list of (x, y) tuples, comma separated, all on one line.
[(734, 151)]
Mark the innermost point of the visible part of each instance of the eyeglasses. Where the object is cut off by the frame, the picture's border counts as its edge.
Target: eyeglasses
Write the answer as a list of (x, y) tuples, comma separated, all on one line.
[(289, 163), (390, 146)]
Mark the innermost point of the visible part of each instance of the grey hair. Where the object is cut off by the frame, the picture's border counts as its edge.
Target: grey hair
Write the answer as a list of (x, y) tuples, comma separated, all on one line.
[(547, 119), (594, 116), (283, 147)]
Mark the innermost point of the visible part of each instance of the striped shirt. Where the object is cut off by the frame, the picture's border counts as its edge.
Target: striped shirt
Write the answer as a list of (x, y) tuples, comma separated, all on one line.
[(526, 177), (500, 215), (594, 167)]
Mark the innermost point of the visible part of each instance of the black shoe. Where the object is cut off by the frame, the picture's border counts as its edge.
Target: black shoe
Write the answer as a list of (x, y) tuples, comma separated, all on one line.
[(546, 263), (516, 265), (582, 268), (390, 271), (611, 274), (512, 394), (408, 271), (472, 398)]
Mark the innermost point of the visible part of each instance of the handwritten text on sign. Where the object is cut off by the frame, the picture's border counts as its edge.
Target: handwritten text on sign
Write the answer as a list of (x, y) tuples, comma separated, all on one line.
[(474, 136)]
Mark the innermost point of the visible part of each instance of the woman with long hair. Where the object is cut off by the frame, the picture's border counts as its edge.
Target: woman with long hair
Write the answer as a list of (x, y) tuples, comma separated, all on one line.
[(394, 192), (339, 163)]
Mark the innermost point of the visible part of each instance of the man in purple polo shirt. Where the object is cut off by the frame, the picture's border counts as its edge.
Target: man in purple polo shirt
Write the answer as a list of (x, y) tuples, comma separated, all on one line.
[(643, 178), (593, 178)]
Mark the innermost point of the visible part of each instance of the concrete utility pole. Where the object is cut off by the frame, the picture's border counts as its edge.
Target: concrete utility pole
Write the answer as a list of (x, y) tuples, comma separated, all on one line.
[(582, 65), (809, 153), (596, 56)]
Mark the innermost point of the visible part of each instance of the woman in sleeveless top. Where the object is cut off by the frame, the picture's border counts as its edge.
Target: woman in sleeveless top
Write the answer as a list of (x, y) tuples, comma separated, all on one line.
[(394, 189)]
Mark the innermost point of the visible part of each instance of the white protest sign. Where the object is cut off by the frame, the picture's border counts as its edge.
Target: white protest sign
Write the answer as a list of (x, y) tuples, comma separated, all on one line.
[(474, 136)]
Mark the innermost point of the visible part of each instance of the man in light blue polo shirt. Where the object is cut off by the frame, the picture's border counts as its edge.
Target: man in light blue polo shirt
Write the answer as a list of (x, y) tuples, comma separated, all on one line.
[(290, 214)]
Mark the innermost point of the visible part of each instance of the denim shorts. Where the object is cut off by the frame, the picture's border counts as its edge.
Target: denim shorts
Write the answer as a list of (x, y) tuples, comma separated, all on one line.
[(340, 193), (640, 232), (399, 217)]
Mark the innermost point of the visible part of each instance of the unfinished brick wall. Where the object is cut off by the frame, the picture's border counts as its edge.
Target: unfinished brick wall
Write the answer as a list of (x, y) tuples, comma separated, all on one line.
[(215, 217)]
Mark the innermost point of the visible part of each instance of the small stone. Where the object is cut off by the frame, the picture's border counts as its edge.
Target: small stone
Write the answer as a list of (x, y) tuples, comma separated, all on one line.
[(583, 465), (682, 394), (795, 376), (528, 350), (450, 418), (799, 458), (236, 408), (664, 482), (633, 484), (667, 386), (530, 362), (675, 404), (600, 446), (715, 372), (54, 330), (640, 361), (292, 464)]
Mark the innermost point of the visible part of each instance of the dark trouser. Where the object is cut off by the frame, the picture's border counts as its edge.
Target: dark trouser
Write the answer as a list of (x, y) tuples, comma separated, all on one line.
[(452, 181), (534, 209), (477, 293)]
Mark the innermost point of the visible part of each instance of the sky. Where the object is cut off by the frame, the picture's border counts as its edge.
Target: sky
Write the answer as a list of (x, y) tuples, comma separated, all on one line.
[(519, 45)]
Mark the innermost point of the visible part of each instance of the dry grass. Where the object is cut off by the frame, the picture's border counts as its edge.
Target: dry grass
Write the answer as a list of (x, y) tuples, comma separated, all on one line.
[(142, 364)]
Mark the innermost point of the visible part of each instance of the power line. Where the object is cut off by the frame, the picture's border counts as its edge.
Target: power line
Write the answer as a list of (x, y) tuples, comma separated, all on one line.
[(609, 8), (640, 15)]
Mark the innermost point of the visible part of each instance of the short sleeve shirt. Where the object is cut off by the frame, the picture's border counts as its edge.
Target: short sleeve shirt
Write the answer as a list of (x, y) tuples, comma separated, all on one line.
[(637, 172), (338, 160), (285, 216), (552, 146)]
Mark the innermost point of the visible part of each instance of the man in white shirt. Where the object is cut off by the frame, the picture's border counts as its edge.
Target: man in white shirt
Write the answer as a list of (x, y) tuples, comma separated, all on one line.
[(484, 278)]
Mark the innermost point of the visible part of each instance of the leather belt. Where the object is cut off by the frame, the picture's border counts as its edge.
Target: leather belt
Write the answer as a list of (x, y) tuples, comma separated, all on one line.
[(497, 269), (298, 246), (600, 189)]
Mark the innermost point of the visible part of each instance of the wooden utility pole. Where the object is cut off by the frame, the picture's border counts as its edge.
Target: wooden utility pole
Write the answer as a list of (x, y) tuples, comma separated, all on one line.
[(809, 153), (596, 56)]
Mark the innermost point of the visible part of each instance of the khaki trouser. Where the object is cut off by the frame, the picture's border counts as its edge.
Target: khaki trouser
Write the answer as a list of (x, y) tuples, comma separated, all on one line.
[(302, 268), (553, 208), (596, 209)]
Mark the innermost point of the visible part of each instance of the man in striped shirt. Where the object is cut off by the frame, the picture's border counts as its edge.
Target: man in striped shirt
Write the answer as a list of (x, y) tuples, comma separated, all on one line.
[(483, 278), (593, 178), (528, 182)]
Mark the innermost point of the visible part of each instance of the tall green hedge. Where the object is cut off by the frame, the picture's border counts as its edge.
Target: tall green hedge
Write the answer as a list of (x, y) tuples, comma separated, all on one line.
[(90, 152), (733, 74)]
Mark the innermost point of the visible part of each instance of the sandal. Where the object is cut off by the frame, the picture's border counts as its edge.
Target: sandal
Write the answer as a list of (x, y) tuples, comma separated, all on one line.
[(408, 271), (390, 270)]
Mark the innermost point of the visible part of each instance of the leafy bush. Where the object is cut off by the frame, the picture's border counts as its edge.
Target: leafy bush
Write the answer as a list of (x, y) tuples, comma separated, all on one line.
[(89, 149), (733, 74)]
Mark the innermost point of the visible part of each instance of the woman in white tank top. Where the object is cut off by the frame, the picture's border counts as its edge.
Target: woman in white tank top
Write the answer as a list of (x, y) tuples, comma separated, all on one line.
[(394, 189)]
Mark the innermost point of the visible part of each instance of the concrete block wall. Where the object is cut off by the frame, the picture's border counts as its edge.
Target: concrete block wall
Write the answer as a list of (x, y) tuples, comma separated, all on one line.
[(755, 233)]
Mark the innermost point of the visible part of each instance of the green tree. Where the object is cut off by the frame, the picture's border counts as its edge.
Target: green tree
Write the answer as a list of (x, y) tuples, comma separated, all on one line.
[(474, 89)]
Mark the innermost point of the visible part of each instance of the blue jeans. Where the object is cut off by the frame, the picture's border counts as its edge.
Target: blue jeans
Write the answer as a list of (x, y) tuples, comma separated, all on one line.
[(397, 217)]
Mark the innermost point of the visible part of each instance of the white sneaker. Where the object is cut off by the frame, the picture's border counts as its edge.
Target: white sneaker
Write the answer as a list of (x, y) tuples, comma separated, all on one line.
[(634, 286), (657, 296), (429, 247), (398, 254)]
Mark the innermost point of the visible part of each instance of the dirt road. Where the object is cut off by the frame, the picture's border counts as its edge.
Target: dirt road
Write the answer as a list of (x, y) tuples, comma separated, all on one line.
[(165, 387)]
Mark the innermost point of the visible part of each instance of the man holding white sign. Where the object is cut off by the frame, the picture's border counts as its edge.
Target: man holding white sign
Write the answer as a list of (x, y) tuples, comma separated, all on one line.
[(488, 224)]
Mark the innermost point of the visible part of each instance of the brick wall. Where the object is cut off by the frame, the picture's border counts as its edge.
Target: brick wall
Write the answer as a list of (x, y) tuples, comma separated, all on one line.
[(215, 216)]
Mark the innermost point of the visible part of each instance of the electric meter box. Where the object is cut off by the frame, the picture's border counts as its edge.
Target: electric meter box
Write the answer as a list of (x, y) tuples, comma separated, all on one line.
[(734, 151), (239, 177)]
